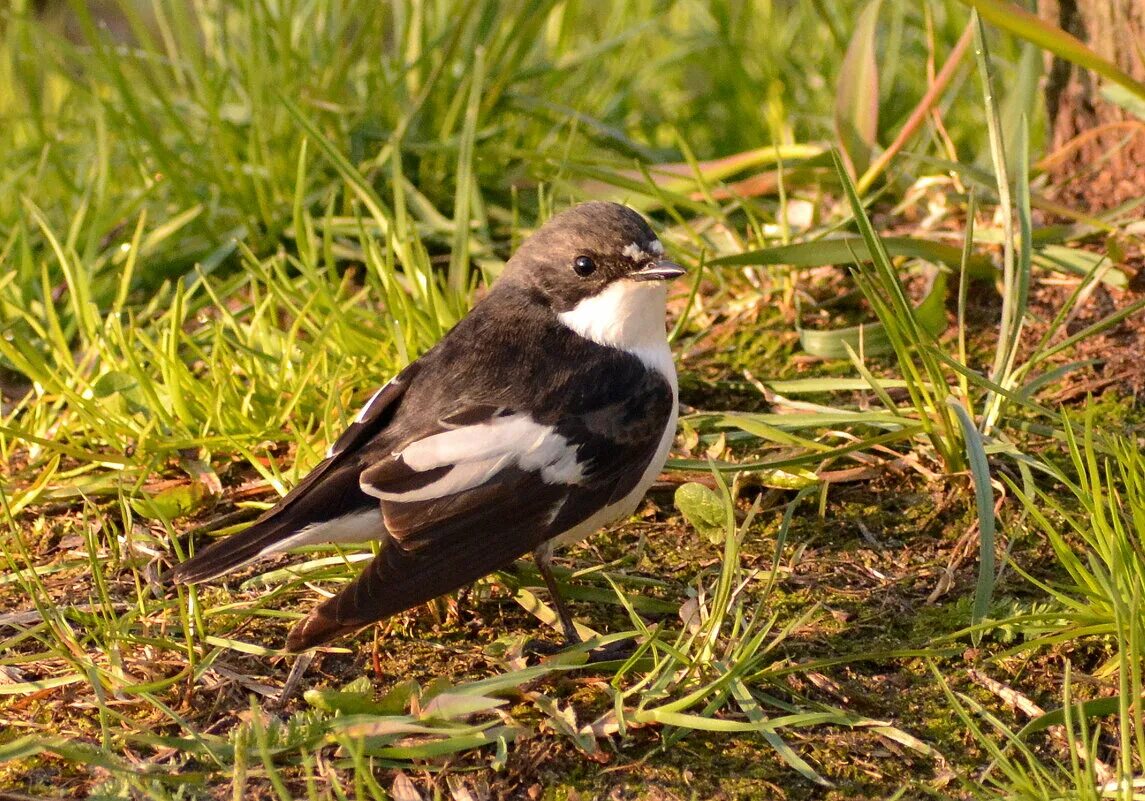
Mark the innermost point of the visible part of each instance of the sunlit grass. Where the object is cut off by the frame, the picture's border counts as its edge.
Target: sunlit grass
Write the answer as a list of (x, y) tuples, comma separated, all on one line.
[(1097, 743), (221, 230)]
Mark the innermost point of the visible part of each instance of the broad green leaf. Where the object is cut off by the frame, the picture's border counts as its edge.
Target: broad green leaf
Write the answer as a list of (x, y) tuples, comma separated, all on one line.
[(353, 701), (69, 750), (21, 748), (397, 700), (870, 339), (451, 705), (338, 701), (383, 727), (703, 509), (26, 497), (39, 685), (241, 647), (170, 503), (1128, 100), (445, 746), (797, 421), (1077, 261), (786, 479), (1023, 98), (688, 720), (905, 431), (1097, 708), (112, 383), (681, 176), (796, 386), (857, 92), (984, 501), (507, 681)]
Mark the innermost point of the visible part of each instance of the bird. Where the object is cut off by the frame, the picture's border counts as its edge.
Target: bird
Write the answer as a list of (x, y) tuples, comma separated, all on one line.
[(543, 415)]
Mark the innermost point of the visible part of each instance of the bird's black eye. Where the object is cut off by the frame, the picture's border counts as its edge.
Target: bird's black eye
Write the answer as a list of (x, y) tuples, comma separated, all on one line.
[(584, 265)]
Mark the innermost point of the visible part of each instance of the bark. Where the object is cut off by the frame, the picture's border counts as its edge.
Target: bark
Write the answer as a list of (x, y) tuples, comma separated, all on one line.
[(1100, 148)]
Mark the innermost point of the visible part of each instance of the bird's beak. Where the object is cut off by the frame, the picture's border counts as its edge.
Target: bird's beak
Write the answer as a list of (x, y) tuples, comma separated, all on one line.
[(659, 270)]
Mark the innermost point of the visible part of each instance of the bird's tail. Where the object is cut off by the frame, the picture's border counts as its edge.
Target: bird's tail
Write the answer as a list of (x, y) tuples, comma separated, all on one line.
[(230, 553), (395, 580), (303, 517)]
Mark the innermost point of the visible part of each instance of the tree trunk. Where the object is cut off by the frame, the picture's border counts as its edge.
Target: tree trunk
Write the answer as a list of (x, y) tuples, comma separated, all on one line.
[(1099, 148)]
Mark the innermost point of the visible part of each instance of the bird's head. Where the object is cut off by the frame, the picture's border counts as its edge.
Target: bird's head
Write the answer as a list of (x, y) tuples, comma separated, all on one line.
[(587, 250)]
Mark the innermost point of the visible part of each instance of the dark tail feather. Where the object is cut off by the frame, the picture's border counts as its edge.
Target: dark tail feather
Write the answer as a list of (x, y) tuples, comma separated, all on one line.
[(229, 553), (363, 601), (394, 581), (329, 488)]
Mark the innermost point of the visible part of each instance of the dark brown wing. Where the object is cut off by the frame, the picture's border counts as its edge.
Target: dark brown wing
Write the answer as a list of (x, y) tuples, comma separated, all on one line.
[(496, 524), (329, 491), (441, 542)]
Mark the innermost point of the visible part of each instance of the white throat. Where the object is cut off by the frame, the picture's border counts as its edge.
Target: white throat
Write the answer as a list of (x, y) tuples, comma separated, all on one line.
[(628, 315)]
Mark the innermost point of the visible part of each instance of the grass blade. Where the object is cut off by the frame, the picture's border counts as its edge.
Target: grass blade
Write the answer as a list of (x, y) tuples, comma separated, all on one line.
[(984, 502), (857, 93), (1016, 20)]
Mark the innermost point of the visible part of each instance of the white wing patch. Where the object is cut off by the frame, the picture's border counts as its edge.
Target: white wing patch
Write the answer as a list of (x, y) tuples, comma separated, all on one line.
[(366, 409), (476, 453), (355, 527)]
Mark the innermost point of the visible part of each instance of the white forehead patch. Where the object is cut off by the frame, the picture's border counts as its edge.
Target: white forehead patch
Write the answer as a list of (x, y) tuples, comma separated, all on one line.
[(637, 253)]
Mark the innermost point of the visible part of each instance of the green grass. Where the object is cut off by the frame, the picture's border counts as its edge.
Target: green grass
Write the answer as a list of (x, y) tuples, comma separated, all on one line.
[(223, 224)]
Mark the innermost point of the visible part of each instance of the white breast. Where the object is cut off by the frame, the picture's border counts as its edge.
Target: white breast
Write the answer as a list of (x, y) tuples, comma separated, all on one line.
[(628, 315)]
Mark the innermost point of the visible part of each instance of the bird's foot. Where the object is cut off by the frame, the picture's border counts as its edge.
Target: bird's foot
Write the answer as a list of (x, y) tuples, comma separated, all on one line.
[(538, 648), (612, 652)]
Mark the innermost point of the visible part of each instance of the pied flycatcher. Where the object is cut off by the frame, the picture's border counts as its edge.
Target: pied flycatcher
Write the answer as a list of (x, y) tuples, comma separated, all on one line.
[(545, 414)]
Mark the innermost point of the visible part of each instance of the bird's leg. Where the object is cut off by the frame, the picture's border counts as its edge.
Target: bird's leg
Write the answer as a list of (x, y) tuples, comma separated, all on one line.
[(543, 556), (619, 650)]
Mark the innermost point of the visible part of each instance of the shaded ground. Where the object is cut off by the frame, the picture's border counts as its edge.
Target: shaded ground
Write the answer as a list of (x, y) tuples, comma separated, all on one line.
[(1119, 353), (885, 569)]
